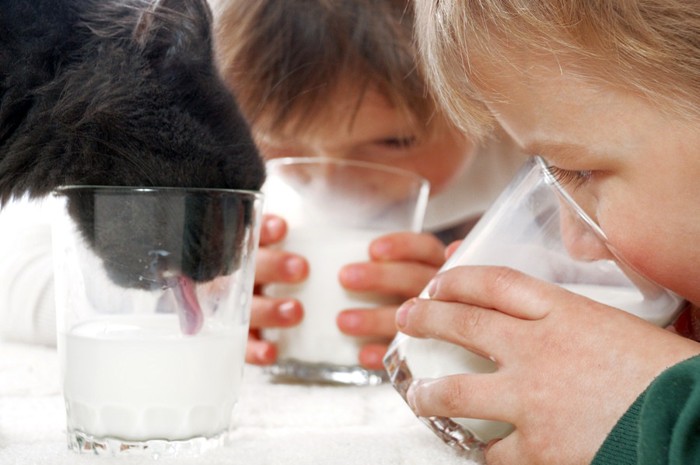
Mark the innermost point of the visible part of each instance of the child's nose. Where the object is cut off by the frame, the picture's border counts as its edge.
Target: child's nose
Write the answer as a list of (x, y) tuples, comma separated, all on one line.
[(580, 240)]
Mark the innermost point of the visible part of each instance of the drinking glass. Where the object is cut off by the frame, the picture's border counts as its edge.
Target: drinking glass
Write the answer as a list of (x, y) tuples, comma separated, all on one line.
[(153, 297), (334, 209), (537, 227)]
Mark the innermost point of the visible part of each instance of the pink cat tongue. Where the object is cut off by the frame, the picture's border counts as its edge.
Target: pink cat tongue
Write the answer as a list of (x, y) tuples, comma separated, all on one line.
[(188, 309)]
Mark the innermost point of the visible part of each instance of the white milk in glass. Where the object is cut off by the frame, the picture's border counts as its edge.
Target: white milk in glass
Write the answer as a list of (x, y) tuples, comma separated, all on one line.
[(429, 358), (137, 377), (317, 338)]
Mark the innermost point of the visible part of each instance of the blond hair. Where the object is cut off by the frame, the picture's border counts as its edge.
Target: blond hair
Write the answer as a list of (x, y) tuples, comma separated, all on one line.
[(285, 60), (650, 47)]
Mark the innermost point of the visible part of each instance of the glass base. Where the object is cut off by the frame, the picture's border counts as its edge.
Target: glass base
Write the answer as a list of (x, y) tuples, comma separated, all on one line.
[(297, 371), (83, 443), (449, 431)]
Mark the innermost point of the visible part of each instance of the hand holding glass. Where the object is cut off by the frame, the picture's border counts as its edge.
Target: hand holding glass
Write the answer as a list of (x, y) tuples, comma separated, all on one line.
[(537, 227), (334, 209)]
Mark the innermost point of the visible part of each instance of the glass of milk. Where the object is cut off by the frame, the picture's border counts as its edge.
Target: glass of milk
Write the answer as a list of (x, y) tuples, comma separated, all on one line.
[(535, 226), (153, 296), (334, 209)]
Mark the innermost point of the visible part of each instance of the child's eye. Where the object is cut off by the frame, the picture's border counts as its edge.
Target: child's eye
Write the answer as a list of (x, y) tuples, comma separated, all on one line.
[(398, 142), (568, 177)]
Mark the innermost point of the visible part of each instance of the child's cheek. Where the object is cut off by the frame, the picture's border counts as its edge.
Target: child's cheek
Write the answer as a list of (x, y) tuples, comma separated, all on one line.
[(640, 253)]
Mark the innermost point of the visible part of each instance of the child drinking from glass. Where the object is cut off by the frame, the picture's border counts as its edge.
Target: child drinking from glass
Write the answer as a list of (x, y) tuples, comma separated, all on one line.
[(608, 94), (340, 80)]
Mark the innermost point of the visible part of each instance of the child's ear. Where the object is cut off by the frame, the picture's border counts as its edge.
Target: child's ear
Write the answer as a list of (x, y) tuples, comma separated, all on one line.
[(175, 31)]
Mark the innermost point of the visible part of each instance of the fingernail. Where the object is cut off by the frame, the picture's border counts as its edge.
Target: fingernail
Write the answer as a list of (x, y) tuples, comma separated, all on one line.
[(274, 226), (287, 310), (351, 275), (380, 249), (402, 313), (372, 358), (265, 354), (294, 266), (350, 320), (432, 287)]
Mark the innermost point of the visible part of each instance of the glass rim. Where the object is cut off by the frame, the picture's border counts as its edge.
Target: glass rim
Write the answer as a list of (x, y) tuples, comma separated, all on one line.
[(348, 162), (551, 180), (103, 188)]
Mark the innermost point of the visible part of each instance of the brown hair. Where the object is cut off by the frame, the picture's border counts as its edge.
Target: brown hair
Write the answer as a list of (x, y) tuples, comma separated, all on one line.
[(651, 47), (285, 59)]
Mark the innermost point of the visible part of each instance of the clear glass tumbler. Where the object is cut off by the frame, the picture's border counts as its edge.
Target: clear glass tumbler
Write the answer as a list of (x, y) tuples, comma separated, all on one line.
[(153, 298), (334, 209)]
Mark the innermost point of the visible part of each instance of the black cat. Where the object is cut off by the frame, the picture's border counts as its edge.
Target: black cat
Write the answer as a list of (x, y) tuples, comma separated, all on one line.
[(121, 93)]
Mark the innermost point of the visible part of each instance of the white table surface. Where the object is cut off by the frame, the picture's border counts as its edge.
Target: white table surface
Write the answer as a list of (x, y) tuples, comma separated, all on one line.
[(275, 423)]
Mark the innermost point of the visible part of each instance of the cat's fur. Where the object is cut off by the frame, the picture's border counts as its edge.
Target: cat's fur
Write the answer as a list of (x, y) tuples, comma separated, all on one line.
[(118, 92)]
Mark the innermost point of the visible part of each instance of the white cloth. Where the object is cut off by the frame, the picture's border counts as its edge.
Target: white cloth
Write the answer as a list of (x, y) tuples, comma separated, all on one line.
[(26, 272), (274, 423)]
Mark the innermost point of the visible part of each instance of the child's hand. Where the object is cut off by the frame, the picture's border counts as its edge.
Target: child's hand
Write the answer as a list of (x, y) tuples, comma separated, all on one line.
[(401, 264), (568, 368), (273, 265)]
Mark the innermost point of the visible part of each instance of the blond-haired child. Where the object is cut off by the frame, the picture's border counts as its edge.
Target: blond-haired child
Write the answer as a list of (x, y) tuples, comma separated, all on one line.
[(608, 92)]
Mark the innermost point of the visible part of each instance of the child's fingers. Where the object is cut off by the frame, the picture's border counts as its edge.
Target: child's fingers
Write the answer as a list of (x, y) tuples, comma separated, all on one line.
[(408, 246), (272, 265), (372, 355), (481, 330), (260, 352), (275, 313), (375, 322), (504, 289), (461, 396), (272, 229), (397, 278)]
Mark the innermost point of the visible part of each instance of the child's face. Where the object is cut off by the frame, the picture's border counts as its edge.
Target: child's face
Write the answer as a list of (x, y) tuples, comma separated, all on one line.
[(373, 131), (634, 169)]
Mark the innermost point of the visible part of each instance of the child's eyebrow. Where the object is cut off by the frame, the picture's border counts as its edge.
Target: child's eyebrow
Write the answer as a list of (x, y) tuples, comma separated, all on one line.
[(562, 150)]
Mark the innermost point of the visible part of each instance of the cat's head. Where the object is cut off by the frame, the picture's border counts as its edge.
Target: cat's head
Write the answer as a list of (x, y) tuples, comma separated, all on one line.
[(126, 94), (129, 95)]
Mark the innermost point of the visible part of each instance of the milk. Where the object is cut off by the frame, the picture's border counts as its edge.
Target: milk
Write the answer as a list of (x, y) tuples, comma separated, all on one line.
[(317, 338), (430, 358), (659, 311), (137, 377)]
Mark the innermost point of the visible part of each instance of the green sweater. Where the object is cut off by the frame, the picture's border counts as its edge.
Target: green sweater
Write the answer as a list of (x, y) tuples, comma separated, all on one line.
[(662, 426)]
